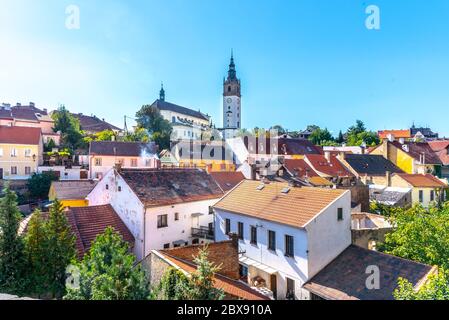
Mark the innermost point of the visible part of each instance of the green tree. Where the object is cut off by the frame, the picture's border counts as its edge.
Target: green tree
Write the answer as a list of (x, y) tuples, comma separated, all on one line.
[(150, 118), (61, 244), (105, 135), (202, 280), (280, 130), (436, 288), (39, 184), (321, 137), (138, 135), (358, 135), (37, 251), (108, 272), (421, 235), (12, 256), (174, 285), (340, 139), (69, 126)]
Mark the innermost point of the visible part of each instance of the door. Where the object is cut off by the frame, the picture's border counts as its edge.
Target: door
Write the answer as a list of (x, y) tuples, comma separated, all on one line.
[(1, 173), (273, 285)]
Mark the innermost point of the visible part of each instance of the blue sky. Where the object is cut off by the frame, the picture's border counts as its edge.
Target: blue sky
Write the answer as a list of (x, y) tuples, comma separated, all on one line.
[(301, 61)]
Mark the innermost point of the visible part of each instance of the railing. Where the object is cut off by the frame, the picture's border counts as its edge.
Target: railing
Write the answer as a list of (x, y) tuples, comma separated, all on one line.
[(203, 233)]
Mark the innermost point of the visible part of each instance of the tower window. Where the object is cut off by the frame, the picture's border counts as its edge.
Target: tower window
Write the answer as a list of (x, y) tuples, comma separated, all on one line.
[(229, 89)]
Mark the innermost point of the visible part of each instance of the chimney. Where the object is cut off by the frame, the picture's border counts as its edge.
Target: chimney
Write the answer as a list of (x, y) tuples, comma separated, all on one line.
[(118, 167), (235, 240), (388, 178), (386, 146), (32, 104), (327, 155), (342, 155)]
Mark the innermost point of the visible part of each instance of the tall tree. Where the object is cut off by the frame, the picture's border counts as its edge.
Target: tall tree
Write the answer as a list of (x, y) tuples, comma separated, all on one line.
[(358, 135), (108, 272), (39, 184), (37, 252), (69, 126), (436, 288), (150, 118), (340, 139), (138, 135), (12, 257), (62, 243), (420, 234), (174, 285), (321, 137)]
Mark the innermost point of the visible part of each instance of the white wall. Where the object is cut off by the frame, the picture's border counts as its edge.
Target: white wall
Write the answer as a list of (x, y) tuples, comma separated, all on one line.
[(108, 162), (124, 202), (176, 230), (295, 268), (72, 173), (328, 237)]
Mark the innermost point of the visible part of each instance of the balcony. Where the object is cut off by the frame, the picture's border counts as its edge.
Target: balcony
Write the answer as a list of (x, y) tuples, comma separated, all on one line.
[(203, 233)]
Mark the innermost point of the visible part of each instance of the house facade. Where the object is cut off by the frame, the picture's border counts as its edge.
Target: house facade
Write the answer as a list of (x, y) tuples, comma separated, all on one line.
[(21, 151), (284, 243), (163, 208), (104, 155)]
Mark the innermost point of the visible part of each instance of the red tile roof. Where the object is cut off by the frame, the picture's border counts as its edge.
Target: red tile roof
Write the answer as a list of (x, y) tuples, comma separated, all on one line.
[(422, 180), (441, 148), (227, 179), (300, 168), (94, 124), (89, 222), (230, 286), (406, 134), (122, 149), (20, 135), (332, 168)]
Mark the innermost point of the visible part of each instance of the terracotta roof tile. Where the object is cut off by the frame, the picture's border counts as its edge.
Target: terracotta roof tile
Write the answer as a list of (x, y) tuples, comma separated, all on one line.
[(93, 124), (441, 148), (295, 208), (423, 180), (171, 186), (229, 286), (345, 277), (332, 168), (398, 134), (300, 168), (89, 222), (227, 179), (20, 135)]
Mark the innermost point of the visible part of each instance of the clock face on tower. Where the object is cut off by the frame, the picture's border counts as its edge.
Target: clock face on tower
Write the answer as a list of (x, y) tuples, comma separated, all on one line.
[(229, 100)]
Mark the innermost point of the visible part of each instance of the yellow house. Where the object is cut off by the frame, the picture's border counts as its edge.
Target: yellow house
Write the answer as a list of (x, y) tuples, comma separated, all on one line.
[(426, 188), (21, 150), (411, 157), (210, 155), (71, 193)]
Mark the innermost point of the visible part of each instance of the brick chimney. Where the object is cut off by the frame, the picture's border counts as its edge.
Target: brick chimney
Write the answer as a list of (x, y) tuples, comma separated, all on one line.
[(388, 179), (386, 147)]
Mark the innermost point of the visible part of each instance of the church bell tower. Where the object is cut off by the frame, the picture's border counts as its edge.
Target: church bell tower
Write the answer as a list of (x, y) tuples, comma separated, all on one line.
[(232, 112)]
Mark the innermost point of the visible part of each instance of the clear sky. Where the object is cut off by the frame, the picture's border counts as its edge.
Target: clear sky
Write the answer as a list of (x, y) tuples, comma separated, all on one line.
[(300, 62)]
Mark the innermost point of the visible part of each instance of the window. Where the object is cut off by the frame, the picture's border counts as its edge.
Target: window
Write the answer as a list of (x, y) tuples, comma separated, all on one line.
[(176, 216), (432, 195), (28, 153), (162, 221), (340, 214), (107, 187), (290, 295), (134, 163), (119, 189), (14, 152), (1, 152), (167, 246), (240, 230), (421, 196), (211, 210), (271, 240), (289, 250), (27, 170), (195, 241), (14, 170), (173, 119), (253, 235), (97, 162), (229, 89), (227, 226)]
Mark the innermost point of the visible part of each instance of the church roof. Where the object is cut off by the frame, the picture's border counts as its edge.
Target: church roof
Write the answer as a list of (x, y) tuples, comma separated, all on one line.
[(164, 105)]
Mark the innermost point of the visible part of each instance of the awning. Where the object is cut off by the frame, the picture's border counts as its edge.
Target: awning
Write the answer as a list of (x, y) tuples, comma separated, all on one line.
[(253, 263), (196, 215)]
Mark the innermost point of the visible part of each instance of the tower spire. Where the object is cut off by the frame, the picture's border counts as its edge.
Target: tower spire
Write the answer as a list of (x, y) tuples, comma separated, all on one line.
[(162, 92), (232, 74)]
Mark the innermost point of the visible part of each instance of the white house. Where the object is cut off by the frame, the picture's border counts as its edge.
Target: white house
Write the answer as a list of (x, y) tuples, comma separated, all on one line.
[(288, 234), (163, 208), (104, 155)]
